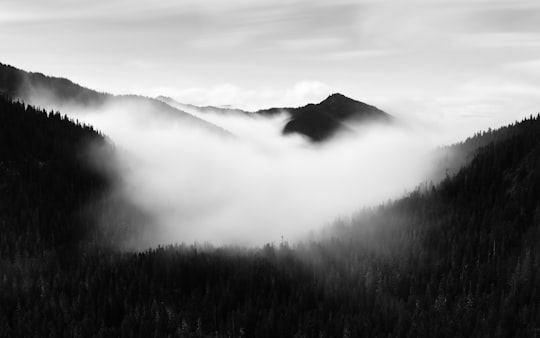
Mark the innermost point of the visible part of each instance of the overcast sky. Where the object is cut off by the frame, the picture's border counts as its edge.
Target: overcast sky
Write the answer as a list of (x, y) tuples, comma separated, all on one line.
[(461, 64)]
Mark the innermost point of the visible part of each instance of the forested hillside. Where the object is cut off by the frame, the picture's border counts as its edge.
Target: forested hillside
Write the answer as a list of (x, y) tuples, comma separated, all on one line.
[(459, 259), (46, 179), (449, 159)]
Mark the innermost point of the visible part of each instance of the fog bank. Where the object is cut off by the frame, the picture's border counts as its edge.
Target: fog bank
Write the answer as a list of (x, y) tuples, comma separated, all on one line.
[(258, 186)]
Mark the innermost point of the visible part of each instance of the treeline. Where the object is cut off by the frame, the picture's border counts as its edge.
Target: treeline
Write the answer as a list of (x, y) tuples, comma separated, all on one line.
[(459, 259), (449, 159)]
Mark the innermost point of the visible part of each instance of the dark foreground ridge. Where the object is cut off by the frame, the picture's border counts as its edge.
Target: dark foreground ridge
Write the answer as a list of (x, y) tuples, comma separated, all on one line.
[(460, 259)]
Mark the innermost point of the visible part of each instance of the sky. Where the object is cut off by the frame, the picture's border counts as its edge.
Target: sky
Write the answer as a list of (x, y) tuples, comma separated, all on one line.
[(457, 66)]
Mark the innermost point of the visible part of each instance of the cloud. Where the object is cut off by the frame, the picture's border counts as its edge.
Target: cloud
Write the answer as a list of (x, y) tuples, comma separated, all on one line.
[(501, 40), (254, 188), (140, 64)]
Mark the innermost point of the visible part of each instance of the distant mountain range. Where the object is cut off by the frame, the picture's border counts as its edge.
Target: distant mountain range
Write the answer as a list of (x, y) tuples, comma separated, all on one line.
[(318, 122), (190, 108)]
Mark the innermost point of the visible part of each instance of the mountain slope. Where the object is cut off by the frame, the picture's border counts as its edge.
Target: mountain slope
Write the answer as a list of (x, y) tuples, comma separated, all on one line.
[(461, 258), (450, 159), (46, 179), (62, 94), (26, 85)]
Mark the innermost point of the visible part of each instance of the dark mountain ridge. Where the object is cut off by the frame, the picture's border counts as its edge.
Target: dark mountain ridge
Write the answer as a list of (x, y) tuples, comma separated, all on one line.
[(321, 121), (24, 85), (317, 121)]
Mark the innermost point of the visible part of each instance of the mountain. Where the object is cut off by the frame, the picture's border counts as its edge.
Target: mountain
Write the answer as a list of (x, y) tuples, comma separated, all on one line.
[(24, 85), (62, 94), (458, 259), (318, 122), (322, 120), (455, 259)]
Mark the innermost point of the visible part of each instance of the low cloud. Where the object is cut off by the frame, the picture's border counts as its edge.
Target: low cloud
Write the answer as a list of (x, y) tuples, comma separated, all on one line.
[(253, 188)]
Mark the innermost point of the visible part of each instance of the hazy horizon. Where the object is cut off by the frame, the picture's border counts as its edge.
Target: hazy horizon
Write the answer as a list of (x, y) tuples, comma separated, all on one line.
[(452, 65)]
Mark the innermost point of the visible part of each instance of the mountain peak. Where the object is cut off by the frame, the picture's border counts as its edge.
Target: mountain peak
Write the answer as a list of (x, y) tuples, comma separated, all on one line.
[(339, 99), (320, 121), (337, 96)]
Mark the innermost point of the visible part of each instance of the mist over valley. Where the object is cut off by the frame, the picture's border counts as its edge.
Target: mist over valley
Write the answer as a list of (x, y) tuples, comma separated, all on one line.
[(269, 169)]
